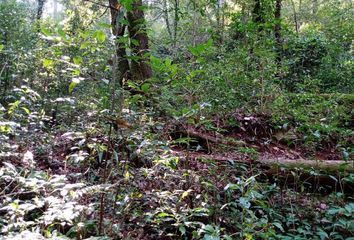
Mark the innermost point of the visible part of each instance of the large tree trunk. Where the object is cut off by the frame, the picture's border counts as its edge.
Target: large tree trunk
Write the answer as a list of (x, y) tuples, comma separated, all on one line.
[(257, 15), (140, 65), (118, 30)]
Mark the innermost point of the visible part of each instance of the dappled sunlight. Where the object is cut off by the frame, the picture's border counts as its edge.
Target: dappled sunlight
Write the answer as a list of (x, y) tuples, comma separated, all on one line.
[(176, 119)]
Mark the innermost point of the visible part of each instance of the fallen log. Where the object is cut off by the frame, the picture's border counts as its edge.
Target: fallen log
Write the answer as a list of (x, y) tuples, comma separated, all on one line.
[(207, 139), (305, 163), (317, 176)]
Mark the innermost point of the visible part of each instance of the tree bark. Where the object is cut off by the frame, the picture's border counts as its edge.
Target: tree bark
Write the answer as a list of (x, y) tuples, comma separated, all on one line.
[(176, 22), (118, 30), (55, 9), (167, 20), (140, 65), (295, 17), (277, 29), (40, 8), (314, 6), (219, 20), (258, 15)]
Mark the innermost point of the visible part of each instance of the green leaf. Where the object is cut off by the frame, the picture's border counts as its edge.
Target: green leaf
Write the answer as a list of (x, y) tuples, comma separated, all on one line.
[(244, 202), (211, 237), (231, 186), (127, 4), (124, 21), (1, 47), (209, 43), (48, 63), (77, 72), (84, 45), (322, 234), (182, 229), (209, 228), (279, 226), (46, 31), (194, 51), (145, 87), (185, 194), (77, 60), (164, 214), (62, 33), (168, 62), (105, 25), (135, 42), (26, 110), (73, 84), (100, 36)]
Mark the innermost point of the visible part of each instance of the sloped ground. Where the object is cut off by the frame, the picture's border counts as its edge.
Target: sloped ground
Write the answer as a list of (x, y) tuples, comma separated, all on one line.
[(185, 182), (240, 136)]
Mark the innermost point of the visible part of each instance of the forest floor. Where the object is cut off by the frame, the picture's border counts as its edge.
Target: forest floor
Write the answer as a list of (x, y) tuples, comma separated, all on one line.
[(167, 179), (256, 136)]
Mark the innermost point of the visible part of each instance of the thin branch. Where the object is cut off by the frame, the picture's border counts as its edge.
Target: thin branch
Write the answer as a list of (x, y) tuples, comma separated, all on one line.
[(100, 4)]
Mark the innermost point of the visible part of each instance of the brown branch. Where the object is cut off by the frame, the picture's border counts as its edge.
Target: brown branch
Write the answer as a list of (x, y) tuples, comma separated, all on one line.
[(100, 4), (194, 134), (330, 165)]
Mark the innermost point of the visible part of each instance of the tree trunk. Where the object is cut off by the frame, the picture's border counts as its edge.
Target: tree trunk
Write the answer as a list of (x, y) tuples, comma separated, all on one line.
[(167, 20), (55, 9), (295, 17), (194, 25), (140, 65), (40, 8), (118, 30), (258, 15), (277, 29), (176, 23), (223, 4), (314, 7), (219, 21)]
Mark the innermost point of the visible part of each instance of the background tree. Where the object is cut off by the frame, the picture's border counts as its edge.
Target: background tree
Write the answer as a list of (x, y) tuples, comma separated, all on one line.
[(40, 7), (140, 67), (215, 98), (118, 30)]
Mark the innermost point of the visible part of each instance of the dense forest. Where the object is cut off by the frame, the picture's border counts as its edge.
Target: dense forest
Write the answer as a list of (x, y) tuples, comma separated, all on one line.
[(176, 119)]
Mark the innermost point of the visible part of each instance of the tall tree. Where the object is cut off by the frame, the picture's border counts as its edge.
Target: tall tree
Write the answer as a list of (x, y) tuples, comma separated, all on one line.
[(220, 20), (314, 6), (40, 7), (277, 28), (296, 22), (167, 19), (176, 3), (258, 14), (140, 65), (118, 30)]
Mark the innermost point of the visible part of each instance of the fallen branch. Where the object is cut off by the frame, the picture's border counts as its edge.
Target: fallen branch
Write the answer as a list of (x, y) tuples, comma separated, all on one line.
[(296, 173), (330, 165), (210, 139)]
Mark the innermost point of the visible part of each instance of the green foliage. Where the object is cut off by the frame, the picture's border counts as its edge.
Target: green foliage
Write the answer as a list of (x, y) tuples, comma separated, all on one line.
[(326, 120), (38, 200), (82, 157), (17, 37), (317, 64)]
